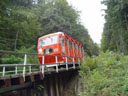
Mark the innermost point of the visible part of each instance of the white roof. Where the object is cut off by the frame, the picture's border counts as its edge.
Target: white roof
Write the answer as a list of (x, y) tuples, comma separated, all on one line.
[(53, 34)]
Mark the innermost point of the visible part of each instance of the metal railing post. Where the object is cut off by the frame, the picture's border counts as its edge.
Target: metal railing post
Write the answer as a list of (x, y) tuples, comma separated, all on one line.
[(66, 63), (25, 60), (56, 64), (73, 63), (16, 69), (3, 71)]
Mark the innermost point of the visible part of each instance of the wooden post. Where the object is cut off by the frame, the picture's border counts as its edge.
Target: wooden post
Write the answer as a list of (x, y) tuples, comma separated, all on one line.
[(73, 63), (16, 69), (43, 65), (56, 64), (25, 60), (3, 70), (66, 63), (30, 69)]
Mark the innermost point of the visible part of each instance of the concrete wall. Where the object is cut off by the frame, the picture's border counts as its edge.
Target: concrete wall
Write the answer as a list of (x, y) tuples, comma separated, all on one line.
[(57, 84)]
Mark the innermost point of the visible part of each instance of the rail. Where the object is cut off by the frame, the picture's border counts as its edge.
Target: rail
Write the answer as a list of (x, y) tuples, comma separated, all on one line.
[(24, 69)]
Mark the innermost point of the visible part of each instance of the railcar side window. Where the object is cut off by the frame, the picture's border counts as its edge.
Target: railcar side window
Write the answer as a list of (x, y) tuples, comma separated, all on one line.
[(83, 51), (72, 44), (66, 41), (60, 40), (79, 48), (73, 47), (68, 47), (63, 49), (80, 52), (76, 49)]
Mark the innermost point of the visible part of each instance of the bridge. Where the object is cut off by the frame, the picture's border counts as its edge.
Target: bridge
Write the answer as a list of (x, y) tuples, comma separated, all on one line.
[(25, 78)]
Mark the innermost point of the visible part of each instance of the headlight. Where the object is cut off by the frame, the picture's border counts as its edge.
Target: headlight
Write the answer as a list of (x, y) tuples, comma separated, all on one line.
[(55, 50), (40, 51)]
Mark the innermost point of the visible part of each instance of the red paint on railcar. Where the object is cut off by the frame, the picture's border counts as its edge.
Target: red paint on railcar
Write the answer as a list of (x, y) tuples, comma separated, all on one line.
[(59, 44)]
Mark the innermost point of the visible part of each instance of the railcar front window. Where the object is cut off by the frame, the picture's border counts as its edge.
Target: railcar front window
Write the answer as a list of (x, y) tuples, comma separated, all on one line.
[(48, 41)]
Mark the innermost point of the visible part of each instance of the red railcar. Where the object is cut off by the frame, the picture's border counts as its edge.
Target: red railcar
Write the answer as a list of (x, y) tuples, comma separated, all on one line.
[(59, 43)]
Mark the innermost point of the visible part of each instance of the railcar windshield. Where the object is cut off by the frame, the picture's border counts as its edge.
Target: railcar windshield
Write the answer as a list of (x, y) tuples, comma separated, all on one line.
[(48, 41)]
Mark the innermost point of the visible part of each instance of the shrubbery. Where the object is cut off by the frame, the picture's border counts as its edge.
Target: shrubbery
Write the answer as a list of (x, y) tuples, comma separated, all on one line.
[(19, 59), (105, 75)]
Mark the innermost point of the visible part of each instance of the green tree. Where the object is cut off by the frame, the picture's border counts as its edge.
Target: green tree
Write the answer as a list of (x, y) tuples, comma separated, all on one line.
[(115, 35), (23, 21)]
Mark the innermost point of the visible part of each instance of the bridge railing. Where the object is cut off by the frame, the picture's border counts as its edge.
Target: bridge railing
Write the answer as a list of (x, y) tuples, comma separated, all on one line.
[(25, 68)]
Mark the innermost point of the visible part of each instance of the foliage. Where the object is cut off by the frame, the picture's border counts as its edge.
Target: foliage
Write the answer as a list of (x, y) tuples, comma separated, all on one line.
[(11, 60), (18, 21), (115, 34), (19, 59), (26, 50), (23, 21), (105, 75), (39, 87)]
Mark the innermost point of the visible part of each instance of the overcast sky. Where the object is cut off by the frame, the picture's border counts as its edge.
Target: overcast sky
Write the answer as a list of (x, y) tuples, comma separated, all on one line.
[(91, 16)]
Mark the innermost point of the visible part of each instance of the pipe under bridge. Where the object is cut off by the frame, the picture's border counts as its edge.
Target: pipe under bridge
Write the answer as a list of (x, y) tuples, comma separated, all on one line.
[(37, 79)]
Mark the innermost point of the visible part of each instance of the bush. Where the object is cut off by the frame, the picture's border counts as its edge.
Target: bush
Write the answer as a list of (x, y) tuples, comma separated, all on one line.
[(105, 75), (19, 58)]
